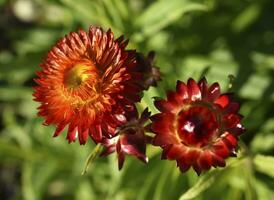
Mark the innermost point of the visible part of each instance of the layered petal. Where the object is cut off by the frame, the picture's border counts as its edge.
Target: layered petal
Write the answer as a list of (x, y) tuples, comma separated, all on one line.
[(130, 140), (197, 126), (89, 83)]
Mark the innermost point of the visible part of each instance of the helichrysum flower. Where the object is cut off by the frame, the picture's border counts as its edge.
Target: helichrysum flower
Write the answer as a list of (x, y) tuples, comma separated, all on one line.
[(131, 139), (88, 83), (197, 126)]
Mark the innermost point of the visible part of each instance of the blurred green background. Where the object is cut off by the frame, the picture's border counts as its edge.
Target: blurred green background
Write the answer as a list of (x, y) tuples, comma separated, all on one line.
[(215, 38)]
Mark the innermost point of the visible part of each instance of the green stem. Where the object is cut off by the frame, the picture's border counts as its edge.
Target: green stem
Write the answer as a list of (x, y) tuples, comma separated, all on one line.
[(91, 157)]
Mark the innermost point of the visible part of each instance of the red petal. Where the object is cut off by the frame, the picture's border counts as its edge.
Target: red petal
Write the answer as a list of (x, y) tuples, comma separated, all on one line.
[(221, 149), (108, 150), (193, 90), (217, 160), (83, 136), (174, 98), (181, 89), (198, 169), (231, 120), (96, 133), (166, 148), (59, 129), (237, 130), (121, 159), (205, 161), (183, 165), (191, 156), (223, 100), (168, 118), (161, 128), (203, 87), (230, 141), (165, 139), (176, 151), (71, 135), (232, 108), (214, 92)]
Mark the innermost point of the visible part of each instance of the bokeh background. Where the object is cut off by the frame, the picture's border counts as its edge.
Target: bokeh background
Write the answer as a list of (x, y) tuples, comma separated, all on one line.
[(222, 40)]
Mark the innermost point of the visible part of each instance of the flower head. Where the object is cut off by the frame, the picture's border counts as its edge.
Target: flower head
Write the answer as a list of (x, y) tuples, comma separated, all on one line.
[(197, 126), (131, 140), (88, 83)]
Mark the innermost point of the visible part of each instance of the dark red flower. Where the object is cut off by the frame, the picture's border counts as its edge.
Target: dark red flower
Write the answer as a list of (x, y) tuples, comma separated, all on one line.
[(198, 126), (150, 73), (131, 140), (88, 83)]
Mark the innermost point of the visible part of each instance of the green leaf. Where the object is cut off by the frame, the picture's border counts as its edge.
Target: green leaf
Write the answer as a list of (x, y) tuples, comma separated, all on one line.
[(114, 13), (14, 93), (262, 60), (202, 184), (161, 14), (2, 2), (35, 40), (162, 180), (92, 156), (262, 142), (27, 184), (263, 191), (255, 86), (246, 18), (265, 164)]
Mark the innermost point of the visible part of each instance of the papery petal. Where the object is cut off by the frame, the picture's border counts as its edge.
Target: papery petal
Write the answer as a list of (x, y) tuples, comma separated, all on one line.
[(193, 90), (197, 126), (85, 79), (214, 92)]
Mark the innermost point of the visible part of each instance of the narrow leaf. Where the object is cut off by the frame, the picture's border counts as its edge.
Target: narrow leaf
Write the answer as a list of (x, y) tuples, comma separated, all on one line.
[(92, 156), (265, 164), (202, 184), (160, 14)]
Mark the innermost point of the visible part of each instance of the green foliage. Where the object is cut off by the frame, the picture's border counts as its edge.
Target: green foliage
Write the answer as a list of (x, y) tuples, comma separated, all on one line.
[(264, 164), (160, 14), (202, 184), (192, 38)]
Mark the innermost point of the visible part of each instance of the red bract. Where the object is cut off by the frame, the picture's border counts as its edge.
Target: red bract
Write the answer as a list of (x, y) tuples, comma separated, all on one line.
[(88, 82), (197, 126), (150, 73), (131, 140)]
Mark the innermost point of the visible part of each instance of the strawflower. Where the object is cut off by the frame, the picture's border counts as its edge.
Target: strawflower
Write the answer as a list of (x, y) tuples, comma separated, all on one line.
[(197, 126), (89, 83)]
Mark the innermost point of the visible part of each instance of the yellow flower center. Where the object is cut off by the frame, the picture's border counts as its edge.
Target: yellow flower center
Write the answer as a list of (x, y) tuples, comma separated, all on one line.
[(78, 74)]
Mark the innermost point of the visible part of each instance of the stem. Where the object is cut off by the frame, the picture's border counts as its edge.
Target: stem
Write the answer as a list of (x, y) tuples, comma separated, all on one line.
[(91, 157)]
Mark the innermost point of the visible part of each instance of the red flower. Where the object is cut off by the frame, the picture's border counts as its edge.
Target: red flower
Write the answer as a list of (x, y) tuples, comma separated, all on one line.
[(88, 82), (198, 126), (131, 140)]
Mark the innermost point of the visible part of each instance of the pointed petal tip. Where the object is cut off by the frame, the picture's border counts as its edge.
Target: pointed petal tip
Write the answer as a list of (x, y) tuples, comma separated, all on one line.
[(233, 153), (178, 83), (203, 80), (194, 90), (198, 171), (121, 160), (143, 158)]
